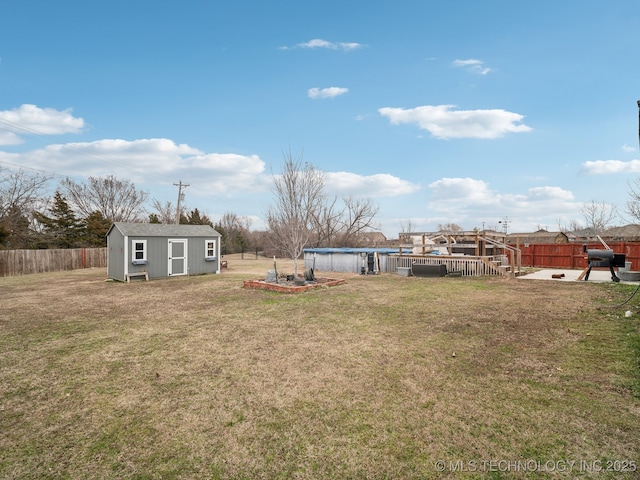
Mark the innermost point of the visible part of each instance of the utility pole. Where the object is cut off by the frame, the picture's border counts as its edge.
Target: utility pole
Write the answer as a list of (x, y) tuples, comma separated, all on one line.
[(505, 224), (639, 122), (180, 186)]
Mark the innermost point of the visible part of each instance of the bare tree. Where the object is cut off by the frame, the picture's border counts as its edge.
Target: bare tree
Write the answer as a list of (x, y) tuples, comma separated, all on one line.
[(406, 227), (20, 192), (572, 226), (450, 228), (230, 221), (299, 197), (117, 200), (598, 216), (339, 225), (327, 223), (633, 204), (357, 218), (234, 231), (164, 212)]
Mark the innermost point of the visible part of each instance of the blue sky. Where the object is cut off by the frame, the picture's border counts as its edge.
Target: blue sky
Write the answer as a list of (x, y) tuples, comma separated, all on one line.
[(461, 112)]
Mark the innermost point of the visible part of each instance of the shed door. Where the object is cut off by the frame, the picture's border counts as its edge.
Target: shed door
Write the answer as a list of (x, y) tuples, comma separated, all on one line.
[(177, 257)]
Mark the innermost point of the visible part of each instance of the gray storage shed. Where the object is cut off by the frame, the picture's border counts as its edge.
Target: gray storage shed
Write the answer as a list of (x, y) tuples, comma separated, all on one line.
[(159, 251)]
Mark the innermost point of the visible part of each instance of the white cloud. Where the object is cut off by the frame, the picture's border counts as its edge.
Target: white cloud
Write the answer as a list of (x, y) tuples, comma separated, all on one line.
[(330, 92), (628, 148), (552, 194), (9, 138), (472, 199), (605, 167), (379, 185), (227, 172), (149, 161), (30, 119), (444, 123), (472, 65), (320, 43), (456, 188), (317, 43)]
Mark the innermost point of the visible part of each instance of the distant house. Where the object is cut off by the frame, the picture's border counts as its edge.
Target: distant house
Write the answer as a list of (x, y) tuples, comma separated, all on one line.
[(374, 238), (161, 251), (627, 233), (541, 236)]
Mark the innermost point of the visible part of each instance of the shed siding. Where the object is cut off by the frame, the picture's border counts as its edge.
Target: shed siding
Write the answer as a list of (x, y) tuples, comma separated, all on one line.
[(197, 263), (157, 266), (115, 256), (157, 257)]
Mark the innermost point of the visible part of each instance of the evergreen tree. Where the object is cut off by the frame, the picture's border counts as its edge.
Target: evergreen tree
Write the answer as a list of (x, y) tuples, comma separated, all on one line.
[(63, 228), (15, 230), (195, 218), (4, 234), (96, 228)]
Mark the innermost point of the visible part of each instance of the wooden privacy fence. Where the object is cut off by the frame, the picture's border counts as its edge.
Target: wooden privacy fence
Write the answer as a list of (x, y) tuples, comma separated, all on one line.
[(570, 255), (542, 255), (22, 262)]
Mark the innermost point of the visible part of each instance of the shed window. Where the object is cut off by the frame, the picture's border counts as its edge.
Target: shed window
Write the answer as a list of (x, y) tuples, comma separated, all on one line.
[(139, 251), (210, 249)]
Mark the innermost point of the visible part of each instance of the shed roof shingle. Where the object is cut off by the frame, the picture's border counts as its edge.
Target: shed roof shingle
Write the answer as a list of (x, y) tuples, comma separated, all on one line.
[(163, 230)]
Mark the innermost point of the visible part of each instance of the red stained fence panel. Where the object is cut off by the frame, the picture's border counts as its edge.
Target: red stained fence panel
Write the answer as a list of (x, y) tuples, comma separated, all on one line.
[(570, 255)]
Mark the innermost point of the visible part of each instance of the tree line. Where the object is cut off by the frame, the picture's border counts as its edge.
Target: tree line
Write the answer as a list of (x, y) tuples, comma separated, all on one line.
[(79, 214)]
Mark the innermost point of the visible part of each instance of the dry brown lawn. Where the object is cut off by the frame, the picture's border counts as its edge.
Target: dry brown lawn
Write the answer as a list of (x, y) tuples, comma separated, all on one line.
[(382, 377)]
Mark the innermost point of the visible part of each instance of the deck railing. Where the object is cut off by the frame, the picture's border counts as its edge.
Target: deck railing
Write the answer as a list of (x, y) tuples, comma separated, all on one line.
[(474, 261), (466, 265)]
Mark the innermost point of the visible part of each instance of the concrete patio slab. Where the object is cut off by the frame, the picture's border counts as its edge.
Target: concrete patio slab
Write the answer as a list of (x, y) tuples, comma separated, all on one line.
[(596, 275)]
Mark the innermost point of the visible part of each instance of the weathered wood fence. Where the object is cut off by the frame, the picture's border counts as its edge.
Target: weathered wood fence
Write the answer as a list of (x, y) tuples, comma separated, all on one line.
[(22, 262)]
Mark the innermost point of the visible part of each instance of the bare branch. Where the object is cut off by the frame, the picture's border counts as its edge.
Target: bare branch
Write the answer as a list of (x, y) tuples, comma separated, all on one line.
[(165, 212), (598, 215), (117, 200), (299, 199)]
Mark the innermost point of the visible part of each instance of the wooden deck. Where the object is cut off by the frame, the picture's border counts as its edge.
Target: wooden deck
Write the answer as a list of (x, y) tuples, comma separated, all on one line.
[(468, 253), (467, 265)]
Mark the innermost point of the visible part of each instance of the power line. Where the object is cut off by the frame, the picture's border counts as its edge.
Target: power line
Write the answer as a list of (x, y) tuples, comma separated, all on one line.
[(39, 170), (74, 147)]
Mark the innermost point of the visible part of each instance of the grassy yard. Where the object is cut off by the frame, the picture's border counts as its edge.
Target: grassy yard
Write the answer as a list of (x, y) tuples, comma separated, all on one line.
[(382, 377)]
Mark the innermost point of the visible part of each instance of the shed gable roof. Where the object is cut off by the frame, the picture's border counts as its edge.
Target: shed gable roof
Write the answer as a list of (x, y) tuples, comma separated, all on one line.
[(163, 230)]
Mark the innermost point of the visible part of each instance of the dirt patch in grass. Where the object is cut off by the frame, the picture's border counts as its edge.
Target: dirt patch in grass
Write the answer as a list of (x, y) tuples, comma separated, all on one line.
[(382, 377)]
